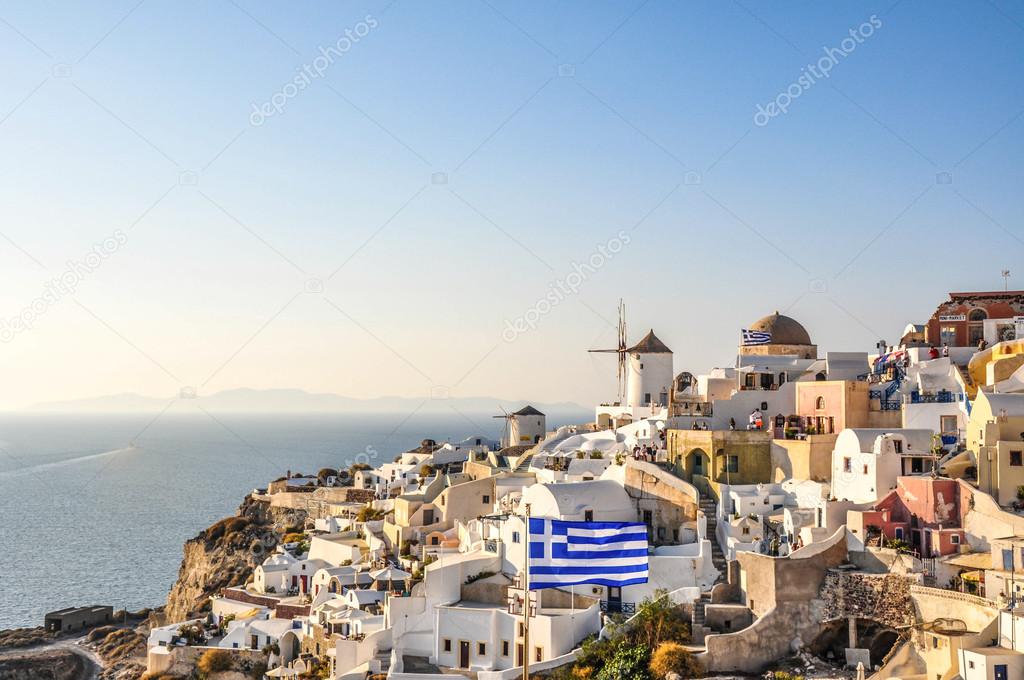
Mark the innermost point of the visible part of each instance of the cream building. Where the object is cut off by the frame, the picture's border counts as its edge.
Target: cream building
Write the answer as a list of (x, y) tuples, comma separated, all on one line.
[(995, 434)]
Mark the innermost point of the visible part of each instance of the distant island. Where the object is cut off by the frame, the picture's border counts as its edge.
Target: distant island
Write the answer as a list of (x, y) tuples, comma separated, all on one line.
[(293, 401)]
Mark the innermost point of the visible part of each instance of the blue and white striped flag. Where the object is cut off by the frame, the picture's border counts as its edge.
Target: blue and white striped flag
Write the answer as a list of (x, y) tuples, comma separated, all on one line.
[(570, 553), (756, 338)]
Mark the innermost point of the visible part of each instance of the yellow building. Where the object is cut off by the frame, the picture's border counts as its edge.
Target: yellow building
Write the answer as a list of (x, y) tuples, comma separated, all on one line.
[(725, 456), (995, 434)]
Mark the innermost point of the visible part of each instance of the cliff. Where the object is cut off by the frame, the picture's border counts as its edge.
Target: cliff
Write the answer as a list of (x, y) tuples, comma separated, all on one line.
[(52, 664), (226, 553)]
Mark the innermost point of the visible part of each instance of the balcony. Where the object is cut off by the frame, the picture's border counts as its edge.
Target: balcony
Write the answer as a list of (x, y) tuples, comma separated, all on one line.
[(940, 397), (697, 409), (613, 607)]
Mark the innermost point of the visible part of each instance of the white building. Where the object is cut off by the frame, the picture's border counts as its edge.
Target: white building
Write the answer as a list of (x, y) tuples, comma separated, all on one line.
[(525, 426), (934, 398), (866, 462), (648, 381)]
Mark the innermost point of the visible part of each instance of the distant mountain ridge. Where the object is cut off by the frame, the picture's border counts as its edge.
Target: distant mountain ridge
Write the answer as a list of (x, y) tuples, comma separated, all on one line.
[(245, 400)]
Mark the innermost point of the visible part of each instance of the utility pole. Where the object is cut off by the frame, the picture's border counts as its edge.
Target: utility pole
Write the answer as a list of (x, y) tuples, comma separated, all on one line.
[(526, 596)]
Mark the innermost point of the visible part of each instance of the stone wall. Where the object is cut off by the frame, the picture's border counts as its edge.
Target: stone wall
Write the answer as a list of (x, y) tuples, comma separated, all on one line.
[(884, 598)]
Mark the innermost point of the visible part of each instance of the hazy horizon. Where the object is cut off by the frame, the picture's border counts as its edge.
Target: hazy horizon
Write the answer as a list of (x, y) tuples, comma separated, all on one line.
[(398, 198)]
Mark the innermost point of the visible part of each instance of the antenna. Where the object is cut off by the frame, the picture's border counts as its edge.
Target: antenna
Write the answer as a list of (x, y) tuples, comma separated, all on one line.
[(621, 351), (1006, 279)]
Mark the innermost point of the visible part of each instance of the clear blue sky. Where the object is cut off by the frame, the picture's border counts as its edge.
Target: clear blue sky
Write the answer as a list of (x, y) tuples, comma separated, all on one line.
[(557, 125)]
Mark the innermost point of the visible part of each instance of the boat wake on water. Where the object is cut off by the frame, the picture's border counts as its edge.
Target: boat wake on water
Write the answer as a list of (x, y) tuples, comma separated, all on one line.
[(77, 460)]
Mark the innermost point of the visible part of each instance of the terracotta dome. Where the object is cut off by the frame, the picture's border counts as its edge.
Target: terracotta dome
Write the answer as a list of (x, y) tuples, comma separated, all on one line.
[(784, 330)]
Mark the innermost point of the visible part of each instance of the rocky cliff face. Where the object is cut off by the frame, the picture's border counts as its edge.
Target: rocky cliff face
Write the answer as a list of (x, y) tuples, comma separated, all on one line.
[(226, 553), (55, 664)]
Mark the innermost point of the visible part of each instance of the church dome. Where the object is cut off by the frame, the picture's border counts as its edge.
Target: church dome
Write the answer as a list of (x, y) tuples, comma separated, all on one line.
[(784, 330)]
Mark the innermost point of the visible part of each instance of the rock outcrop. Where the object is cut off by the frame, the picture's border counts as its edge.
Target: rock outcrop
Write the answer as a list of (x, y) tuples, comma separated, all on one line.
[(52, 664), (226, 553)]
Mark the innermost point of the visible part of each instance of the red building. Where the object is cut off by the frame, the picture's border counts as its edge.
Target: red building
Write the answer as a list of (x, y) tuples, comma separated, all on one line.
[(959, 322), (923, 512)]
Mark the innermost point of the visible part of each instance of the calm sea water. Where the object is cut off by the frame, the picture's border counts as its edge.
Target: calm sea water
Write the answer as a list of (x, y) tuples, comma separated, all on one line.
[(86, 519)]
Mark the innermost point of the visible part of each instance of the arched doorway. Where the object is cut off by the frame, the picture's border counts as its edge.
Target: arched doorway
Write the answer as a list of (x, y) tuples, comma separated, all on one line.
[(697, 462)]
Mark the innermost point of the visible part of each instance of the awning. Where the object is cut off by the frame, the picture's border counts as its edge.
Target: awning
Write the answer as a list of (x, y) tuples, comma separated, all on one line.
[(976, 561)]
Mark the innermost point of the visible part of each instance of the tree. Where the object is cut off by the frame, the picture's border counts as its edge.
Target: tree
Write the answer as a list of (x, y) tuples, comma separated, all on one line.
[(659, 620), (672, 657), (426, 470), (325, 473)]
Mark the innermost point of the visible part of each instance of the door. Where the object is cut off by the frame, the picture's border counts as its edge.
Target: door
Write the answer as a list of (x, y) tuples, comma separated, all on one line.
[(463, 654), (614, 599), (1000, 672), (519, 654), (305, 585)]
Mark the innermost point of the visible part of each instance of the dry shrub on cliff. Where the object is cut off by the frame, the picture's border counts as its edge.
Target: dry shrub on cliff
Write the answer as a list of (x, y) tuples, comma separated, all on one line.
[(226, 527), (214, 661), (671, 657), (120, 643)]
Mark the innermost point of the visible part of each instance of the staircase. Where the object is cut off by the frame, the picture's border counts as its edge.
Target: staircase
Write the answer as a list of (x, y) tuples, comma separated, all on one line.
[(709, 508), (697, 628), (523, 465)]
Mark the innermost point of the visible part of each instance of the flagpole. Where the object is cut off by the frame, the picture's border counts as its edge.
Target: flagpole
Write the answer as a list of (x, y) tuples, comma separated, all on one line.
[(526, 599)]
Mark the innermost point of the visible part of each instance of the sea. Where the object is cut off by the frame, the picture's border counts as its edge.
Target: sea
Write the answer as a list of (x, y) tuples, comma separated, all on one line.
[(94, 509)]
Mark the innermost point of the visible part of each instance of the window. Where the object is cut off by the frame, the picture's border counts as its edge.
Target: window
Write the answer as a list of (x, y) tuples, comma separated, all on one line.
[(847, 464), (538, 654), (977, 315), (647, 397), (481, 648), (505, 647), (897, 445), (522, 631), (588, 515), (746, 531), (515, 536), (648, 517), (955, 539), (447, 644), (733, 464), (661, 533), (819, 403), (486, 499), (1015, 458), (865, 468), (947, 424), (899, 533)]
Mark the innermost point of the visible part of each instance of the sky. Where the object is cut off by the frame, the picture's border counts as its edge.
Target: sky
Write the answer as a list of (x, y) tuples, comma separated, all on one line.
[(435, 199)]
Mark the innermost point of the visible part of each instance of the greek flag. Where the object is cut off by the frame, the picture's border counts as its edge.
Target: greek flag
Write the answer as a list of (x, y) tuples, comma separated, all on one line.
[(570, 553), (755, 338)]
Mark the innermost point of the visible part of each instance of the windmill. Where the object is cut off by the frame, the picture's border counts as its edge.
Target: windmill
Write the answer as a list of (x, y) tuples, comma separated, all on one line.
[(621, 351), (506, 436)]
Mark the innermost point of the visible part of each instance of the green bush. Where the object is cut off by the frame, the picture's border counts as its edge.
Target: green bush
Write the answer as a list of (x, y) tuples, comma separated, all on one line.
[(629, 662)]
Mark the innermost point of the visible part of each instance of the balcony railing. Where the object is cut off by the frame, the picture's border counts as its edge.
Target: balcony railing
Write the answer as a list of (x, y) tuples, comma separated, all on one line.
[(618, 607), (491, 545), (942, 397), (697, 409)]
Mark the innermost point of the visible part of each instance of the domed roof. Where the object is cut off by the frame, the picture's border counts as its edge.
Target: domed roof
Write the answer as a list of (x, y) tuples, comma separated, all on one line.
[(784, 330)]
